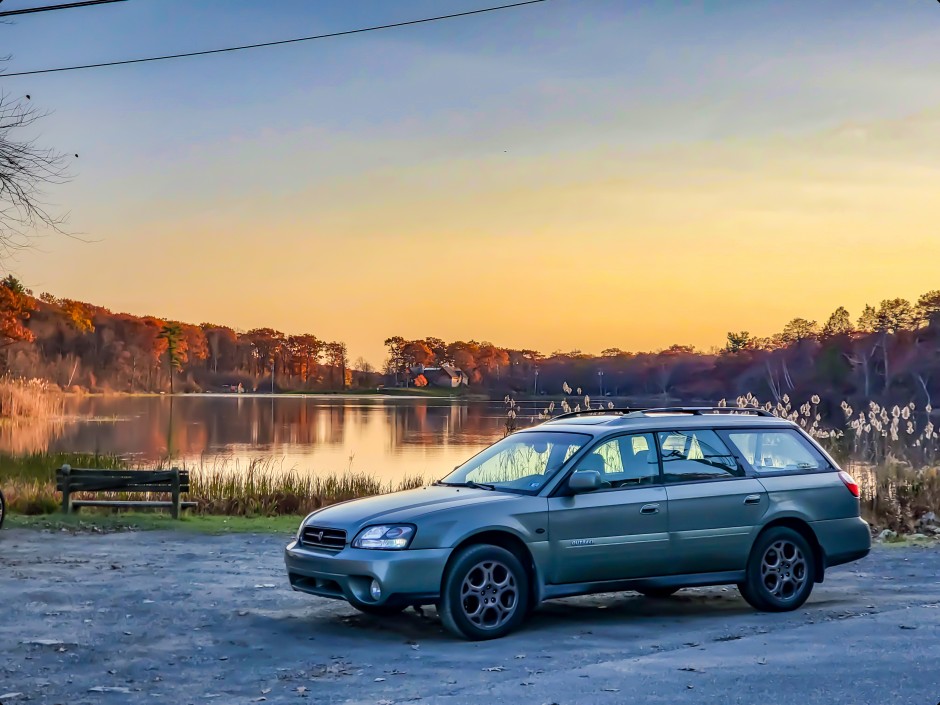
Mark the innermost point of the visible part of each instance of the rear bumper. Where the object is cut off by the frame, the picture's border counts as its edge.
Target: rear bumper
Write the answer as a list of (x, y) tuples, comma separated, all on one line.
[(843, 540), (408, 577)]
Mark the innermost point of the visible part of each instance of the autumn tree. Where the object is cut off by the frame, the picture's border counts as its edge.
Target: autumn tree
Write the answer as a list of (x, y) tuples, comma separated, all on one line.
[(268, 344), (222, 343), (78, 314), (438, 349), (338, 360), (492, 359), (417, 352), (396, 356), (195, 345), (305, 351), (16, 306)]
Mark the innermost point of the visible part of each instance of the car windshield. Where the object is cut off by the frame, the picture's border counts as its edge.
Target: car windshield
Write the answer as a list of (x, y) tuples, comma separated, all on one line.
[(522, 462)]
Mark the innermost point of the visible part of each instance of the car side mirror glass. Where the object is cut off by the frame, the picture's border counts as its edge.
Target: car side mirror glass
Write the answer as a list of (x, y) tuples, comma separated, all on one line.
[(584, 481)]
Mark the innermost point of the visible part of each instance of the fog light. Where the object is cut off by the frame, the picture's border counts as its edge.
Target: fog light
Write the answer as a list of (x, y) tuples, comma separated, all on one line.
[(375, 590)]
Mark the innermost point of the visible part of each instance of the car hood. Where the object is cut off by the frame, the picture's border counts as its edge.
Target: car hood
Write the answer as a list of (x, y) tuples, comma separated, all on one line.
[(405, 506)]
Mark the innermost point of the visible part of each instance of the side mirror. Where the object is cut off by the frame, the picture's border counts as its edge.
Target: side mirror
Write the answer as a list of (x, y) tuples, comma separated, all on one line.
[(584, 481)]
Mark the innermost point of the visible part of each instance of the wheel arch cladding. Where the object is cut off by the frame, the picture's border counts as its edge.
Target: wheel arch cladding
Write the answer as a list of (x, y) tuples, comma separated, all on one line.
[(803, 528), (508, 541)]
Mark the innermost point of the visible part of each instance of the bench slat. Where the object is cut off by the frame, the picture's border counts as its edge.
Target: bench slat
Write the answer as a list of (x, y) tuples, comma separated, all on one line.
[(150, 475), (119, 488)]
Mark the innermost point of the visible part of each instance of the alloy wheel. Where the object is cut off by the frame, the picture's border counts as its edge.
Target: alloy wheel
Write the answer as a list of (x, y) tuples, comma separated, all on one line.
[(783, 570), (489, 595)]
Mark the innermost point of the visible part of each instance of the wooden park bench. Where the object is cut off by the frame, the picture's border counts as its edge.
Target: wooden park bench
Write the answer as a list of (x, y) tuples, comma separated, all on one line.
[(70, 480)]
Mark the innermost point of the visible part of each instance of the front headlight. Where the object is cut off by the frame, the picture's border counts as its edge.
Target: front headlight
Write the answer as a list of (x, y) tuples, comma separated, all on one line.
[(388, 537)]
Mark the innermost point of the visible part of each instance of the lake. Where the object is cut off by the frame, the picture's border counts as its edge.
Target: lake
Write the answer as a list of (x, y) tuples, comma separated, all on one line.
[(390, 437)]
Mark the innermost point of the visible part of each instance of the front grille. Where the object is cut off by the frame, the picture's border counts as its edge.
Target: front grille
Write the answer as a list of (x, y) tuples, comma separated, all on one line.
[(325, 539)]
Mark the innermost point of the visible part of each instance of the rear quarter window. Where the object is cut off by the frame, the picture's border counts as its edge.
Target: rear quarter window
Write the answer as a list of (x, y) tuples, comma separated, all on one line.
[(777, 451)]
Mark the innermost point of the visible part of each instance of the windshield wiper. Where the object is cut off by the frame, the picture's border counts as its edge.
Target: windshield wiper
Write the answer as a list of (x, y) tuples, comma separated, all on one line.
[(469, 483), (479, 485)]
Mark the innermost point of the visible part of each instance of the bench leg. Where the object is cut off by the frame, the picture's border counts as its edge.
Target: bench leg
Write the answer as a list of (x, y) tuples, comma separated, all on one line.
[(66, 499), (176, 493)]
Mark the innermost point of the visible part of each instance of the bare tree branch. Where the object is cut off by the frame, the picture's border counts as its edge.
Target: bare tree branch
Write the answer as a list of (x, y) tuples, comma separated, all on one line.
[(26, 169)]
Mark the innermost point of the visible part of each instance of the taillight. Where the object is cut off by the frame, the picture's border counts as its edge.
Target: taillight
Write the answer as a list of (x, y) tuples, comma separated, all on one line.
[(849, 482)]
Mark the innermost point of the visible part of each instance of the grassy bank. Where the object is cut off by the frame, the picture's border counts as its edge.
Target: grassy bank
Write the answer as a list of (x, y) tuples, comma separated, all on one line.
[(231, 489), (151, 521)]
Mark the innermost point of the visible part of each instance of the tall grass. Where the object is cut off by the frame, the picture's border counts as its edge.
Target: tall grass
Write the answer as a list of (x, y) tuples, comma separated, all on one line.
[(32, 398), (258, 488)]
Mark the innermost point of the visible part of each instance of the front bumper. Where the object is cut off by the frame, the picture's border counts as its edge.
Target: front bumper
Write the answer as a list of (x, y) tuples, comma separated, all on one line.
[(409, 577)]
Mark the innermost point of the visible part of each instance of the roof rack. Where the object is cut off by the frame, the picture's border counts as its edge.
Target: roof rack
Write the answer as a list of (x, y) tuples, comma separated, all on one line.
[(700, 410), (585, 412), (693, 410)]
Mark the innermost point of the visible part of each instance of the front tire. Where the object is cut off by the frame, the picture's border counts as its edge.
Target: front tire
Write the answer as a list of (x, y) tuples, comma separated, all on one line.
[(3, 509), (485, 594), (781, 571)]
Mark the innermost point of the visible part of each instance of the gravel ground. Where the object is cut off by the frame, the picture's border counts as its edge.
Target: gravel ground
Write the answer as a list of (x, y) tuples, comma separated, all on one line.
[(165, 617)]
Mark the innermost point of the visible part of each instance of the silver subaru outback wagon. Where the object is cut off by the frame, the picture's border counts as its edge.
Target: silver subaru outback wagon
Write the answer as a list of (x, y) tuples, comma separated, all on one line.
[(651, 500)]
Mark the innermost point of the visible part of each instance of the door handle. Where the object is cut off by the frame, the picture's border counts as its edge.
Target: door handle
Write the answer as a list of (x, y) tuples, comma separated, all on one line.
[(650, 509), (752, 499)]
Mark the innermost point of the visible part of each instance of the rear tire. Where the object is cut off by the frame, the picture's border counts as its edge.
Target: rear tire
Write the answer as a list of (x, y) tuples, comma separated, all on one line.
[(485, 593), (3, 509), (658, 593), (781, 571), (379, 610)]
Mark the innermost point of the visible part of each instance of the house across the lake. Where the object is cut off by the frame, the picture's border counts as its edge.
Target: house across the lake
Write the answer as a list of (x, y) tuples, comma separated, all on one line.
[(443, 376)]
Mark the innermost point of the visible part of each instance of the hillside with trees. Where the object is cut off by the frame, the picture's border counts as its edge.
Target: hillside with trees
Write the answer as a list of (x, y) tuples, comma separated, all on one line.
[(77, 345)]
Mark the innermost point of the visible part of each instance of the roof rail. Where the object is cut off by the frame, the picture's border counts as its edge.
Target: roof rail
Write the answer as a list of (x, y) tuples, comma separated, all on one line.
[(584, 412), (700, 410), (693, 410)]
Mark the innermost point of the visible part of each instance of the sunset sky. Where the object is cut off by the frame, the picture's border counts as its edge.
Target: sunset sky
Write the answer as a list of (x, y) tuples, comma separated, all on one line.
[(576, 174)]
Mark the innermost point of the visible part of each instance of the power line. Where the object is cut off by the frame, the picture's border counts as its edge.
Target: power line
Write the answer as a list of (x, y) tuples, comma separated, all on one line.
[(64, 6), (205, 52)]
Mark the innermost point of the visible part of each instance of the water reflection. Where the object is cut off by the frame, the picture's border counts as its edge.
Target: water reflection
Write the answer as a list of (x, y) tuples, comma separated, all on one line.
[(389, 437)]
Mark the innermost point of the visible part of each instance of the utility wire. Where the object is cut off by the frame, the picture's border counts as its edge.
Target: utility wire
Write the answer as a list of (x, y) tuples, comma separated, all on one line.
[(277, 43), (64, 6)]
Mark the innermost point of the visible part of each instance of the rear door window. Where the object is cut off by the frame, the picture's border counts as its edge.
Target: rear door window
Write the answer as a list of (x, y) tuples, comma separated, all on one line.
[(690, 456), (777, 451)]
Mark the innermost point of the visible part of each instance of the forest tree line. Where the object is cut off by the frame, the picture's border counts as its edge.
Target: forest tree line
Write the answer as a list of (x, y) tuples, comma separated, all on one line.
[(888, 352)]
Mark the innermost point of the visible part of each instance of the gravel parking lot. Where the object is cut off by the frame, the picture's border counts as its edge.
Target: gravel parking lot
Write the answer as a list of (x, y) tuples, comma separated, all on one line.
[(176, 618)]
